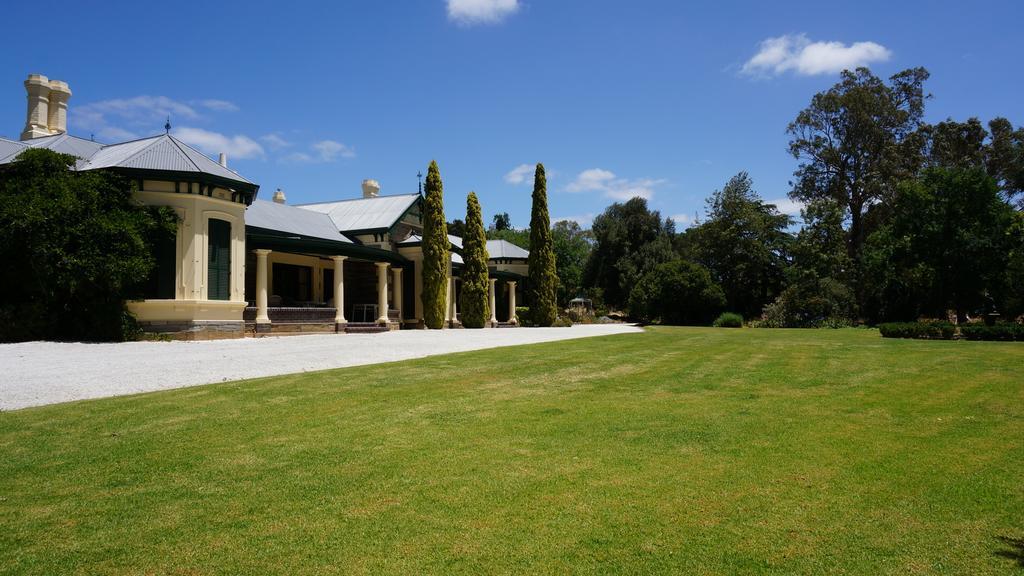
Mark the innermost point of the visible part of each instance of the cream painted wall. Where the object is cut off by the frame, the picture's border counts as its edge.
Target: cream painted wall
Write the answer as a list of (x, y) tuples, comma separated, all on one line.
[(191, 270)]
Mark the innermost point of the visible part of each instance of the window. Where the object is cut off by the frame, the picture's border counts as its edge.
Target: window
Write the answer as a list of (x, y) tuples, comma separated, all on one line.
[(219, 271)]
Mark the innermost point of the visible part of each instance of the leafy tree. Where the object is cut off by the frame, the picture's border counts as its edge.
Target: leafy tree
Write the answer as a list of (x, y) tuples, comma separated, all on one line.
[(79, 245), (474, 303), (856, 141), (520, 238), (457, 228), (436, 250), (629, 241), (543, 276), (501, 222), (572, 247), (999, 151), (678, 293), (946, 247), (744, 244)]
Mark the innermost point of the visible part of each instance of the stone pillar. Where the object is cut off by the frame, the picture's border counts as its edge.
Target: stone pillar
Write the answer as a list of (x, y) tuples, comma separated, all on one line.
[(455, 302), (494, 317), (57, 113), (261, 290), (339, 292), (512, 303), (396, 293), (382, 292), (38, 88), (448, 296)]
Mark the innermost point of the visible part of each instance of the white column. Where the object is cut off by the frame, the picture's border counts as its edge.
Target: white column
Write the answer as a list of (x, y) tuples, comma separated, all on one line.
[(512, 303), (396, 292), (494, 318), (261, 287), (382, 292), (455, 302), (448, 296), (339, 289)]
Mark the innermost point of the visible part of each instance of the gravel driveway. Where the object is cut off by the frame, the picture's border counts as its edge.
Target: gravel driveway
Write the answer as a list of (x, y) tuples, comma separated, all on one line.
[(38, 373)]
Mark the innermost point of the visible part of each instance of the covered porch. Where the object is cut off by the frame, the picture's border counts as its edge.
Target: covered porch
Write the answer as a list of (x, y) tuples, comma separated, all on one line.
[(305, 285)]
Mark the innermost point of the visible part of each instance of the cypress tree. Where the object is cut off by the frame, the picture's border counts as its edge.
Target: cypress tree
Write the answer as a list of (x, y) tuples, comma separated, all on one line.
[(543, 276), (435, 251), (475, 294)]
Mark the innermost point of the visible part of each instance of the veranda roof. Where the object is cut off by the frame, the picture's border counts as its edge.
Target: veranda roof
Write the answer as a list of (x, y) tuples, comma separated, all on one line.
[(365, 214)]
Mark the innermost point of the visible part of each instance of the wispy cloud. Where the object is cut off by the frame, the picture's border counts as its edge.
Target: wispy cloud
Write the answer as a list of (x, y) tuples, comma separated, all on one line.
[(472, 12), (787, 206), (797, 53), (519, 174), (683, 220), (218, 105), (611, 186), (212, 143), (275, 141), (126, 118), (321, 152)]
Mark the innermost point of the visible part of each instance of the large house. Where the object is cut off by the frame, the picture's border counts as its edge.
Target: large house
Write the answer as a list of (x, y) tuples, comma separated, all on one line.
[(244, 266)]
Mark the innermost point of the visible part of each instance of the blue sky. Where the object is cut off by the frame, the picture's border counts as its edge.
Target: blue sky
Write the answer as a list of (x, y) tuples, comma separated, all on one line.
[(660, 98)]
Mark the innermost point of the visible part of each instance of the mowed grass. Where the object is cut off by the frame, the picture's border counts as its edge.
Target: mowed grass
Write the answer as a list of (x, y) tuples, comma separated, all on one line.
[(679, 450)]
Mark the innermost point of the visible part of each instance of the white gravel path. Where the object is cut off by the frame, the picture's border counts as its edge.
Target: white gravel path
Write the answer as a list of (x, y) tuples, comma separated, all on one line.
[(38, 373)]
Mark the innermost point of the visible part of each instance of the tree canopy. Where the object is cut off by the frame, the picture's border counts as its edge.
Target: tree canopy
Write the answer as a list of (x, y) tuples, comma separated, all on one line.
[(436, 250)]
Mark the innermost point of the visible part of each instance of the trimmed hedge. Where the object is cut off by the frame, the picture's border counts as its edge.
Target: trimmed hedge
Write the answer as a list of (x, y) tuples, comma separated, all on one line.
[(918, 330), (998, 332)]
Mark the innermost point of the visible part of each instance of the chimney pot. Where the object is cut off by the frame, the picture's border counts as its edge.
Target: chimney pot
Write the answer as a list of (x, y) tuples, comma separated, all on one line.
[(279, 196), (57, 114), (371, 188), (223, 160), (38, 88)]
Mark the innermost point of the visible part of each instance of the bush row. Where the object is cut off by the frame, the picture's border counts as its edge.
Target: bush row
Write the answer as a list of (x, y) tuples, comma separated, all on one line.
[(1003, 332), (947, 331)]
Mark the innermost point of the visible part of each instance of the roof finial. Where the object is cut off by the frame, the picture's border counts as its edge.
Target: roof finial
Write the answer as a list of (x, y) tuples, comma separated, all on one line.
[(419, 181), (167, 126)]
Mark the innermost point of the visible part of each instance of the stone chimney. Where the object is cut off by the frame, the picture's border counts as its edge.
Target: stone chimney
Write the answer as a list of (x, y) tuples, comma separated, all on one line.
[(279, 196), (223, 160), (57, 113), (371, 188), (47, 107)]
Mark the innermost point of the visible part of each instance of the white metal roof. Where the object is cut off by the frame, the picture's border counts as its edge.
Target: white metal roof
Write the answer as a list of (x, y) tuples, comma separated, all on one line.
[(377, 213), (505, 249), (292, 220)]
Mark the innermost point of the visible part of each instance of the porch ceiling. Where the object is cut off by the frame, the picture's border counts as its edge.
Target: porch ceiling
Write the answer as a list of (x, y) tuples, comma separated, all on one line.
[(258, 238)]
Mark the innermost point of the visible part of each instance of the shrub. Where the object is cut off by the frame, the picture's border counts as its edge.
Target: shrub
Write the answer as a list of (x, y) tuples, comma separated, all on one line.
[(677, 292), (810, 303), (580, 316), (999, 332), (728, 320), (935, 330), (523, 315), (474, 300), (436, 250), (561, 322)]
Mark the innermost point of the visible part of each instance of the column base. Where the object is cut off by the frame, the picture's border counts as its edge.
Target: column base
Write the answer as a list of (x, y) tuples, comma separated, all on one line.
[(340, 326)]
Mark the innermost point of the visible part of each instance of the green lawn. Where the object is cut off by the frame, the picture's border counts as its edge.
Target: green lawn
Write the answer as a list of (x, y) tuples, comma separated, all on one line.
[(697, 451)]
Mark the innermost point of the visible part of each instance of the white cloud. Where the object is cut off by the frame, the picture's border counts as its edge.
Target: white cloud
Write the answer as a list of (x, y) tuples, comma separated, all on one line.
[(605, 181), (275, 141), (470, 12), (219, 105), (322, 151), (237, 146), (683, 220), (584, 220), (519, 174), (145, 114), (787, 206), (796, 52)]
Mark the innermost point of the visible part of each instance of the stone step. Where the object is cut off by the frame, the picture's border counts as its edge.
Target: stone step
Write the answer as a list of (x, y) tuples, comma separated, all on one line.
[(365, 328)]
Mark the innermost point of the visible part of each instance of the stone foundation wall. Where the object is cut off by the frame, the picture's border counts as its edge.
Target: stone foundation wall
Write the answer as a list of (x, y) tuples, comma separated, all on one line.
[(195, 329)]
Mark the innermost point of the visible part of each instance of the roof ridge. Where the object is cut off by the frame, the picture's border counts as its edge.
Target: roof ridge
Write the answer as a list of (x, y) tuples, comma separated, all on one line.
[(356, 199), (187, 156), (137, 152)]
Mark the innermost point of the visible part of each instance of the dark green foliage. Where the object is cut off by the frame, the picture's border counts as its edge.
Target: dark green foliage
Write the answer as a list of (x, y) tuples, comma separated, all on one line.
[(999, 332), (572, 247), (629, 241), (520, 238), (677, 292), (945, 247), (474, 302), (76, 246), (543, 286), (728, 320), (810, 302), (456, 228), (523, 316), (562, 322), (501, 222), (918, 330), (999, 151), (436, 250), (744, 244)]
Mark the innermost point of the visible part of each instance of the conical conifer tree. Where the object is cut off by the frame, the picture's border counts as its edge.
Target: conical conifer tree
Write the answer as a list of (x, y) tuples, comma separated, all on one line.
[(474, 302), (543, 286), (436, 251)]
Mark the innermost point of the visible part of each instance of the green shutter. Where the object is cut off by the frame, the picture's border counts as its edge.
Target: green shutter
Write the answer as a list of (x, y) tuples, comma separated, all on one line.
[(219, 272)]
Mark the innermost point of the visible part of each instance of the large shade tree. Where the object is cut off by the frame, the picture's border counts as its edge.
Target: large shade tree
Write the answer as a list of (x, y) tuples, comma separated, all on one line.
[(76, 246), (475, 288), (572, 246), (543, 285), (436, 251)]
